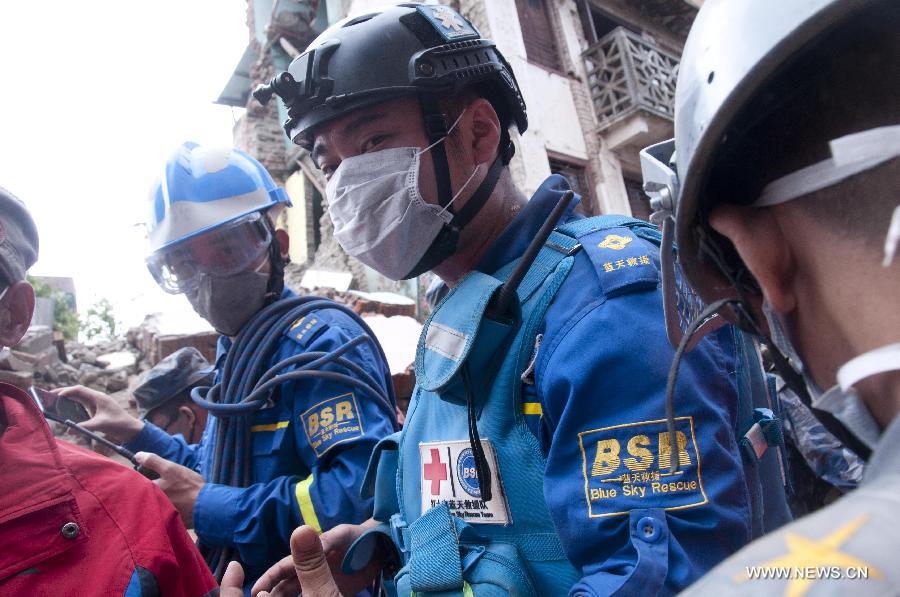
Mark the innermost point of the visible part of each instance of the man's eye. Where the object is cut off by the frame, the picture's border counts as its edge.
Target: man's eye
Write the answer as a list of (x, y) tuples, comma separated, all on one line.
[(373, 142)]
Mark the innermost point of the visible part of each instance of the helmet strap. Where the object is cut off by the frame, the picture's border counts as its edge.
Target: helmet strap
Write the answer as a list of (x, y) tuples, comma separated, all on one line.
[(436, 131), (277, 264), (747, 321), (446, 242)]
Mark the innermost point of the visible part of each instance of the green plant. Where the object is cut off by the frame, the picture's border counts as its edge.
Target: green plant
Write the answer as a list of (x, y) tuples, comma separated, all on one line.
[(100, 322), (41, 289), (65, 320)]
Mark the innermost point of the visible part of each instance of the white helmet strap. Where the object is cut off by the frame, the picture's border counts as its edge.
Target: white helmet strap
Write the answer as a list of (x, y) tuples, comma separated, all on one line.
[(850, 155)]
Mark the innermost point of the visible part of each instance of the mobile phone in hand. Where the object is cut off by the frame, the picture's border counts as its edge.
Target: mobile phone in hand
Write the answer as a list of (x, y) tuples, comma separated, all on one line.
[(64, 408)]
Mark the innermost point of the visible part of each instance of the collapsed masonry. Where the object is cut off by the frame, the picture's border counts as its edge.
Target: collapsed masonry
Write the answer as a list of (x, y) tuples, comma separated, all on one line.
[(117, 367)]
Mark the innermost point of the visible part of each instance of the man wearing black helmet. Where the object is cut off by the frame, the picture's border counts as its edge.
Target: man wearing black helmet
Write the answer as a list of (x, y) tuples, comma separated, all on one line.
[(535, 458), (787, 147)]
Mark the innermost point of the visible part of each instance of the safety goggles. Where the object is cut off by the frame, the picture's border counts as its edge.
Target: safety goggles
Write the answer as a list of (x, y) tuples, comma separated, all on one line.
[(223, 251)]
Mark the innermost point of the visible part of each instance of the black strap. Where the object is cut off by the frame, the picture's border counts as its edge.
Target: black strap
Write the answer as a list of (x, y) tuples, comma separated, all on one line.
[(436, 131), (482, 468), (795, 381), (480, 196)]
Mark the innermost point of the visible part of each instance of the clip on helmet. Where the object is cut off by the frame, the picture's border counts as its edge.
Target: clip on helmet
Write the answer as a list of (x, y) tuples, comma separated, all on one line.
[(426, 51), (204, 190)]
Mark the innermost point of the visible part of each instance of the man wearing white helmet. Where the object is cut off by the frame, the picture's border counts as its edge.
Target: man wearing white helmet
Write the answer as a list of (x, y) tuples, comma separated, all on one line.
[(787, 147), (302, 390)]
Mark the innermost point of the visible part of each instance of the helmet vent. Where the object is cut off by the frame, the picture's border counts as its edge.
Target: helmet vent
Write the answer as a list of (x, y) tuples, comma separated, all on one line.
[(358, 20)]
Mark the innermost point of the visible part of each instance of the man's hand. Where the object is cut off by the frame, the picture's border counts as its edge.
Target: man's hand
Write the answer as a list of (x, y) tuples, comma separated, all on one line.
[(284, 578), (107, 415), (233, 581), (308, 569), (180, 484)]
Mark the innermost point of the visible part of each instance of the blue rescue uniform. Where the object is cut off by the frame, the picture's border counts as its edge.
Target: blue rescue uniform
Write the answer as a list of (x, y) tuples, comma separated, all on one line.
[(593, 394), (597, 402), (310, 450)]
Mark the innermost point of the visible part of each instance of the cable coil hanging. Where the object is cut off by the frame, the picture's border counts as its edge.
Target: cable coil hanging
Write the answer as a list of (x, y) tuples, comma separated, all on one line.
[(247, 383)]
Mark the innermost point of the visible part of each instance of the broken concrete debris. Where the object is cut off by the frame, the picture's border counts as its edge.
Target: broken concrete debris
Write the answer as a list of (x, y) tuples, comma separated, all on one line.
[(117, 366)]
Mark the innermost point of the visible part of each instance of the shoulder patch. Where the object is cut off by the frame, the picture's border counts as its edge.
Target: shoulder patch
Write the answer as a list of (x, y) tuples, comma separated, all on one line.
[(305, 329), (447, 22), (621, 258), (626, 467), (332, 422)]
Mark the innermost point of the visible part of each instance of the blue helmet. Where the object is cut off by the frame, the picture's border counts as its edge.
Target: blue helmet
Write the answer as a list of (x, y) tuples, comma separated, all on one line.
[(204, 188)]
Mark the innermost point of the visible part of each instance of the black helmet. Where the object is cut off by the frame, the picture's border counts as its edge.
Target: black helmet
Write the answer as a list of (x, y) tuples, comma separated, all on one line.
[(410, 49), (428, 51)]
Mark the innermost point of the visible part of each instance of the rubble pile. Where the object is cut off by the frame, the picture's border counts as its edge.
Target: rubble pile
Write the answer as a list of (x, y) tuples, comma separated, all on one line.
[(42, 358), (45, 360)]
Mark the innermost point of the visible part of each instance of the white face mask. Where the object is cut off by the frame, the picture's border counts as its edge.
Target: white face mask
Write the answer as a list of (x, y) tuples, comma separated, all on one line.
[(841, 400), (378, 212)]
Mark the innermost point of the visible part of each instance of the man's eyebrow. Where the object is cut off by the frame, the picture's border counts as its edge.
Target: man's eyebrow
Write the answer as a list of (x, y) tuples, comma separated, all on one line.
[(363, 120), (348, 130)]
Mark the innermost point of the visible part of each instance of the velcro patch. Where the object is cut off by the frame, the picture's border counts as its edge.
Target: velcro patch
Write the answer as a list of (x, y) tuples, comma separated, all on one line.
[(620, 258), (447, 22), (332, 422), (305, 329), (449, 476), (626, 467)]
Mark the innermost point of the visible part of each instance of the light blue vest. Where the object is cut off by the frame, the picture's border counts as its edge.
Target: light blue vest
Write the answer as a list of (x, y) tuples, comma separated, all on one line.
[(457, 544)]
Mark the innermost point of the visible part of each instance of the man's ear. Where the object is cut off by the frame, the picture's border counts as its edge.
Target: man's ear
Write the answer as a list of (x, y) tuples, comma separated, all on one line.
[(485, 130), (18, 303), (284, 242), (188, 413), (759, 241)]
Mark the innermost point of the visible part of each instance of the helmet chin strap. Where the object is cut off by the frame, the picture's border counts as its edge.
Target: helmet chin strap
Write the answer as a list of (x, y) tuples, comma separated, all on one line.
[(748, 322), (277, 263), (447, 240)]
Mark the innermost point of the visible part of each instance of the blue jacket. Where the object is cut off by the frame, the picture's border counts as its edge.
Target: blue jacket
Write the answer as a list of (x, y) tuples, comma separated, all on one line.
[(310, 451), (595, 399)]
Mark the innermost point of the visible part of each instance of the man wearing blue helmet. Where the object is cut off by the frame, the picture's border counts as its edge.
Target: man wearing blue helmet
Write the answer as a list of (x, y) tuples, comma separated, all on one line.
[(536, 457), (302, 390)]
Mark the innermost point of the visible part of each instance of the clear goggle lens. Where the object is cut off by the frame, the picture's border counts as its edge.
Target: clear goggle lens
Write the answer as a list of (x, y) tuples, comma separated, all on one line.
[(224, 251)]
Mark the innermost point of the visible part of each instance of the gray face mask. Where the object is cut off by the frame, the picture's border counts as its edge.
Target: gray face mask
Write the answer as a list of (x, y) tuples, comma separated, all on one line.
[(228, 303), (841, 400)]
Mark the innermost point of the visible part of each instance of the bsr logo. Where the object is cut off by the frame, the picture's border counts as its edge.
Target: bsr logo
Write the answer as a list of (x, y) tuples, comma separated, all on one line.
[(342, 411), (640, 457)]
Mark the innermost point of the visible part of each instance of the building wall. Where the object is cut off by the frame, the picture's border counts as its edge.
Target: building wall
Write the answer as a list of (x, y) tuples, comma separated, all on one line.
[(561, 115)]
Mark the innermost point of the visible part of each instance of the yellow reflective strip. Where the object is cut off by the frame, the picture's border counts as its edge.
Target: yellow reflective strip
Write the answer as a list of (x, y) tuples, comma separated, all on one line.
[(467, 590), (532, 408), (305, 501), (270, 426)]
